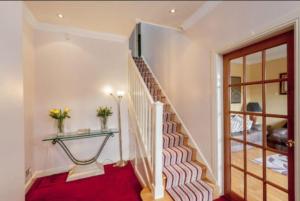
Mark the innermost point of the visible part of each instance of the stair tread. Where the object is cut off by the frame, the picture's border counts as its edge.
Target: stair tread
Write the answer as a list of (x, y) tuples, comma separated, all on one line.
[(193, 191), (177, 155), (182, 173)]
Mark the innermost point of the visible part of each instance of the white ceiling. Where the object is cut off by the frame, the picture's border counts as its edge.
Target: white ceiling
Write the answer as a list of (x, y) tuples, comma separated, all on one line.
[(118, 17)]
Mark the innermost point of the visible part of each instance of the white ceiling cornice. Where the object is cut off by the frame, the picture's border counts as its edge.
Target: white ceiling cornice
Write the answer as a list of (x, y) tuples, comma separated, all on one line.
[(206, 8), (158, 25), (29, 17)]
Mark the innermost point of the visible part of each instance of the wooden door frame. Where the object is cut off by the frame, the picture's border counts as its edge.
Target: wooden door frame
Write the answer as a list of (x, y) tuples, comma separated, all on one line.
[(288, 38)]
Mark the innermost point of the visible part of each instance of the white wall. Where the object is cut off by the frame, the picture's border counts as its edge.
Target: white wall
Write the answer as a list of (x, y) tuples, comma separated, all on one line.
[(173, 59), (71, 71), (28, 73), (11, 103), (183, 61), (133, 42)]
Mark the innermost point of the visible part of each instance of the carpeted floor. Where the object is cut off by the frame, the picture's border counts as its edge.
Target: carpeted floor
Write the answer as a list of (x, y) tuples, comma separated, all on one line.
[(117, 184), (221, 199)]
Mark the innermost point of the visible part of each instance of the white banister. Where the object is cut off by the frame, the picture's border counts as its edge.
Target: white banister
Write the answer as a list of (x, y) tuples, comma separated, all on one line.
[(157, 151), (149, 117)]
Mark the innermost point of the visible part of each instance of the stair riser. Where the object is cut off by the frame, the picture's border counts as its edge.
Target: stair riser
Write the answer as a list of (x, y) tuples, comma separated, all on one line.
[(167, 108), (181, 175), (167, 116), (155, 92), (172, 140), (176, 155)]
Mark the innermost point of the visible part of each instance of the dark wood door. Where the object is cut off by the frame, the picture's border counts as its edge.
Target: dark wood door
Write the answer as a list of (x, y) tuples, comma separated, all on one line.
[(259, 121)]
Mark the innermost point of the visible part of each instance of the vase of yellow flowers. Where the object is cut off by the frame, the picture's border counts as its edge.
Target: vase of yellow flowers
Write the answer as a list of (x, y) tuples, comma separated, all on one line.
[(103, 113), (60, 115)]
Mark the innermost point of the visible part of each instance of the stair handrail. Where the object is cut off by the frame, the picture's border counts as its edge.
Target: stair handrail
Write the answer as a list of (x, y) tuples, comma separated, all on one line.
[(149, 117)]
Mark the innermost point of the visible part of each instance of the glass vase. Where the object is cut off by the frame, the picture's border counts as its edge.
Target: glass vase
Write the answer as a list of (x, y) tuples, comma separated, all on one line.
[(103, 123), (60, 126)]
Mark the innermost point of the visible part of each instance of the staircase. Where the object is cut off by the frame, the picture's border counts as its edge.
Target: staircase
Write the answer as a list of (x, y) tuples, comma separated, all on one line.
[(185, 177)]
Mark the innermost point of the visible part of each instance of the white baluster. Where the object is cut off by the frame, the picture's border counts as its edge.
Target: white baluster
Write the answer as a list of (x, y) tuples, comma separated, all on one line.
[(149, 116)]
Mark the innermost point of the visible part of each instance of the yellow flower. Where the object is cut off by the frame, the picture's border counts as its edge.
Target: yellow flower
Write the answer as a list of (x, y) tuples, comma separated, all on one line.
[(67, 110), (56, 111)]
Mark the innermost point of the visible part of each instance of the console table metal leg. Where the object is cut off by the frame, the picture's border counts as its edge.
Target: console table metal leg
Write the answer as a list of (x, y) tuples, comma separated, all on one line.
[(81, 162)]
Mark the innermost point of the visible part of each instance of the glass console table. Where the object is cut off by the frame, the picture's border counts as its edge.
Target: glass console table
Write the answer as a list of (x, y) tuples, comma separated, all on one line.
[(82, 168)]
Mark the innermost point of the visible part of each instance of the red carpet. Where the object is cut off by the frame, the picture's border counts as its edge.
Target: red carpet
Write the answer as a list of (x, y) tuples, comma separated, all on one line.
[(117, 184), (221, 199)]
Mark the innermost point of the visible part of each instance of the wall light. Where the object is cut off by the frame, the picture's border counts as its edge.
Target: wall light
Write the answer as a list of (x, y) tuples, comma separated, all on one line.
[(120, 93), (172, 10), (107, 90), (60, 15)]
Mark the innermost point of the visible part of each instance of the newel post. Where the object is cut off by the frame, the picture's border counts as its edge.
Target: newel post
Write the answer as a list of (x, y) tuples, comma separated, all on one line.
[(157, 148)]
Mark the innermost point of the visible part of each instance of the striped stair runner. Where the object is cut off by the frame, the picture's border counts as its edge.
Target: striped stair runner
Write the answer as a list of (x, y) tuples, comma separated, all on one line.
[(183, 176)]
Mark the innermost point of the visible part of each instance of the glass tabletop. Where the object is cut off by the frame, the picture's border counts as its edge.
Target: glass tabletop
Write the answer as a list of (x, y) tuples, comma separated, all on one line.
[(81, 134)]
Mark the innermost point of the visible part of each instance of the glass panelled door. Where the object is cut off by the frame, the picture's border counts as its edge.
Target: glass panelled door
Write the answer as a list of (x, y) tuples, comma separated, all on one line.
[(259, 121)]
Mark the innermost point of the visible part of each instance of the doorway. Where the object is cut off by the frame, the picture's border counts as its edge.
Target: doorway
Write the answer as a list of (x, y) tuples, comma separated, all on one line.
[(259, 121)]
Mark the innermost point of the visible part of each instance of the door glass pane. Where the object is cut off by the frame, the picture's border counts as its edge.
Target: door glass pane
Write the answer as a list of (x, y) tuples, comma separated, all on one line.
[(237, 154), (237, 182), (275, 194), (255, 160), (276, 99), (277, 133), (254, 189), (254, 67), (254, 98), (276, 61), (277, 169), (236, 98), (236, 68), (254, 129), (236, 126), (258, 90)]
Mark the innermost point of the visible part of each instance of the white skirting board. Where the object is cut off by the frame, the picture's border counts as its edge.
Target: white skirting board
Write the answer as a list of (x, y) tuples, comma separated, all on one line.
[(44, 173), (58, 170)]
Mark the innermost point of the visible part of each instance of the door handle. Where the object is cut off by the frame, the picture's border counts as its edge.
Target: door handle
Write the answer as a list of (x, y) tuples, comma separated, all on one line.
[(290, 143)]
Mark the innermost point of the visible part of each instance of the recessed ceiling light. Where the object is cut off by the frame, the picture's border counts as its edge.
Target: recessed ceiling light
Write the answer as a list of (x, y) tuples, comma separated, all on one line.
[(172, 10), (60, 15)]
